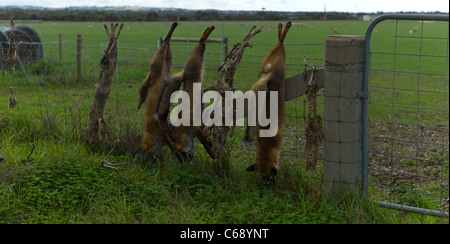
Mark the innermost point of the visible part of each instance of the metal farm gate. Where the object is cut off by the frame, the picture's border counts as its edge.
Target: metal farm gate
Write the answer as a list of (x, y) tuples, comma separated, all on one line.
[(406, 117)]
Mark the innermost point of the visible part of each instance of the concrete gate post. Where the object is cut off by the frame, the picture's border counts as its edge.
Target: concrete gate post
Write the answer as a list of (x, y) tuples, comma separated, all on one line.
[(344, 67)]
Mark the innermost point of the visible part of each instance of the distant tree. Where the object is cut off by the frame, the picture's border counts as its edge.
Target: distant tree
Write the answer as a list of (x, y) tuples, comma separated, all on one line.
[(111, 17), (129, 17), (199, 15), (17, 14), (170, 17), (152, 16), (184, 17), (273, 16), (213, 15), (262, 15), (121, 14), (99, 16), (206, 15)]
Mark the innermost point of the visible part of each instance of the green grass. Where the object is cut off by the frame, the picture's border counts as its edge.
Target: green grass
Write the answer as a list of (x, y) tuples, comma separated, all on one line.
[(65, 184)]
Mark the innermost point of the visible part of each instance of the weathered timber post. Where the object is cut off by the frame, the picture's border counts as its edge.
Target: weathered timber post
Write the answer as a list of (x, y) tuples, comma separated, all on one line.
[(224, 48), (225, 82), (107, 66), (60, 47), (344, 68), (79, 54)]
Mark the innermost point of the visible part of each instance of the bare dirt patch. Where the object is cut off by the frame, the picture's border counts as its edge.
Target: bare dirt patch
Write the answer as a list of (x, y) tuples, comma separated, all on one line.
[(409, 159)]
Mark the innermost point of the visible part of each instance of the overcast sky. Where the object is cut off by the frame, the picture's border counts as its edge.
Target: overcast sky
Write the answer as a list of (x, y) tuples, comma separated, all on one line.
[(270, 5)]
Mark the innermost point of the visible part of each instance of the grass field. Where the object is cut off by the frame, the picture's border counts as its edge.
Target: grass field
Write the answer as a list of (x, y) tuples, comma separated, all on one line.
[(64, 183)]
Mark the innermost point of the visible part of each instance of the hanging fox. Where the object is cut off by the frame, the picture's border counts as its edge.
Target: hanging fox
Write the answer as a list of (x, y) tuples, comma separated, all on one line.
[(271, 79), (192, 74), (157, 131)]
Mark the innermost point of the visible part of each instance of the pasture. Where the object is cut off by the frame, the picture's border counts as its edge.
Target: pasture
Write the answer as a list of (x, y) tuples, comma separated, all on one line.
[(63, 183)]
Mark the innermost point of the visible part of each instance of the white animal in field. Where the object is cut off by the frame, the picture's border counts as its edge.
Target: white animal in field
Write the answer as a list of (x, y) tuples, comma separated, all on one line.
[(414, 30)]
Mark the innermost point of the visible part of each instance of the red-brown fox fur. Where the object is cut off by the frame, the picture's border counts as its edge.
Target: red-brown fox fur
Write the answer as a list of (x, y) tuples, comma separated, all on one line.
[(271, 78), (157, 131), (191, 73)]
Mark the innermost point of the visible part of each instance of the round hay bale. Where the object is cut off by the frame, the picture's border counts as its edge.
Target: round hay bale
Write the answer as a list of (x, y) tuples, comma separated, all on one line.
[(39, 48), (26, 50), (4, 44), (31, 49)]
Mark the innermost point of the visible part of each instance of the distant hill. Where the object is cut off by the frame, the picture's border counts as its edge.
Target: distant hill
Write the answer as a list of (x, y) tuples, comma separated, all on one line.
[(133, 13)]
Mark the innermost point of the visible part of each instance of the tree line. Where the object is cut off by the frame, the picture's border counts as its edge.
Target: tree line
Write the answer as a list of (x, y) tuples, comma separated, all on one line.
[(154, 14), (171, 15)]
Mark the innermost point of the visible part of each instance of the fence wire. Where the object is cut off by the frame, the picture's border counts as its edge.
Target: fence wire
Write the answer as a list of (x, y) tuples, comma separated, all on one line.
[(70, 106)]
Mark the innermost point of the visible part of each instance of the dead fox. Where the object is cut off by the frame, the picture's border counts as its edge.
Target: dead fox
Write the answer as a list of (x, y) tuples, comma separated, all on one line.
[(157, 131), (191, 73), (271, 78)]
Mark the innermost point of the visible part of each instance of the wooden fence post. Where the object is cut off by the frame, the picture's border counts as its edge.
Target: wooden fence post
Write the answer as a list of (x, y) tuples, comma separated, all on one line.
[(108, 64), (60, 47), (79, 53), (224, 48)]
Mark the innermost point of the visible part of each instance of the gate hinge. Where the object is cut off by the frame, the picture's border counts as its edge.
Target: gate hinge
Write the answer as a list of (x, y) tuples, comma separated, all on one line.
[(363, 94)]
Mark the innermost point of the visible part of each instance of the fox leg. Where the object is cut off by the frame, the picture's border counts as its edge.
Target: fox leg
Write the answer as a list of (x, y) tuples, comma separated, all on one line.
[(169, 142), (151, 144), (206, 34), (173, 84), (280, 29), (286, 29)]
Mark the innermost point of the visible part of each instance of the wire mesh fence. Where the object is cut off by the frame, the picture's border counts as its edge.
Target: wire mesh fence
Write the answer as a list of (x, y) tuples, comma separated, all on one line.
[(408, 164), (67, 106)]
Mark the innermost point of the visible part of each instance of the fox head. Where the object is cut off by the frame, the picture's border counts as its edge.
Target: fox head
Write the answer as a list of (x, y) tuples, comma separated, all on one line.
[(266, 171)]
